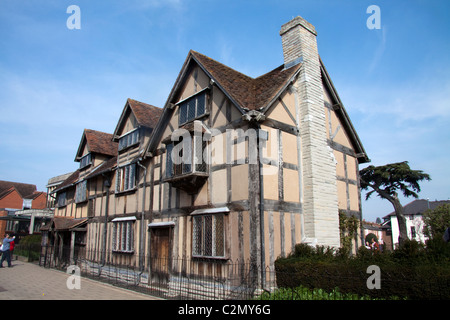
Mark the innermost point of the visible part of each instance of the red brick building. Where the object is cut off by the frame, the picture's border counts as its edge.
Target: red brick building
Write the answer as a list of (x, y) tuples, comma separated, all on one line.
[(19, 196)]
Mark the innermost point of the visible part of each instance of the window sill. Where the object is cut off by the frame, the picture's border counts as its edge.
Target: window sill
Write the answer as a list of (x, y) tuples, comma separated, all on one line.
[(189, 182), (187, 123), (126, 192), (131, 146), (123, 251), (207, 258)]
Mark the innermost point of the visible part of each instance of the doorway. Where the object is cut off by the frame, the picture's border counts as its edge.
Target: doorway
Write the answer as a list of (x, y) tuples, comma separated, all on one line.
[(160, 257)]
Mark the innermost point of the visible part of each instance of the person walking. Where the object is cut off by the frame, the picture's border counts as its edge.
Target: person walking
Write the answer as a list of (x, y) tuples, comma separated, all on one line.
[(11, 248), (6, 254)]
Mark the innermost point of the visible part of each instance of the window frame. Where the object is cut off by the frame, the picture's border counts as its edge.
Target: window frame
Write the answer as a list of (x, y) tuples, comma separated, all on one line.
[(197, 160), (83, 162), (129, 139), (123, 235), (81, 192), (62, 199), (192, 102), (209, 230), (126, 177)]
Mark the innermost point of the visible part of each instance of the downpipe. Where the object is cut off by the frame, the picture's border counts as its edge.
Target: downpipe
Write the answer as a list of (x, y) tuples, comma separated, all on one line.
[(141, 242)]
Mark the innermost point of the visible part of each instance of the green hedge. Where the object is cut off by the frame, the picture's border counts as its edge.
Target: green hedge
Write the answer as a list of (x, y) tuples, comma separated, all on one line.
[(413, 271), (29, 247)]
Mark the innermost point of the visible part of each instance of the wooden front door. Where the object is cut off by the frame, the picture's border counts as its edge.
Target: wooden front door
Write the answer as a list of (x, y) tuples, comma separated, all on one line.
[(160, 254)]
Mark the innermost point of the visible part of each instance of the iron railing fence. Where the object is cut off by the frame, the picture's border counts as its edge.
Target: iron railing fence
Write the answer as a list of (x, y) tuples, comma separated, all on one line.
[(220, 279), (169, 278)]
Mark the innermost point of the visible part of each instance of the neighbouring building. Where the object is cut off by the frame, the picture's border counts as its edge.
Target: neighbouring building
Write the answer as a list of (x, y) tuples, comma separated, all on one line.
[(17, 203), (380, 231), (232, 168), (414, 220), (52, 185)]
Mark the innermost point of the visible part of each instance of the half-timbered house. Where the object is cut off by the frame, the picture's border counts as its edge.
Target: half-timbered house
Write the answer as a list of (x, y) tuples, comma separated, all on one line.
[(65, 235), (232, 168)]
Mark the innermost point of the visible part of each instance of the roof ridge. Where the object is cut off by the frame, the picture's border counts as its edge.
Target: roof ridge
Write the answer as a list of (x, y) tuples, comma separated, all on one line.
[(218, 62)]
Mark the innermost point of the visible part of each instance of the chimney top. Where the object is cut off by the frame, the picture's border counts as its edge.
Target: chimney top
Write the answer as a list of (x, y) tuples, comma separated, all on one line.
[(295, 22)]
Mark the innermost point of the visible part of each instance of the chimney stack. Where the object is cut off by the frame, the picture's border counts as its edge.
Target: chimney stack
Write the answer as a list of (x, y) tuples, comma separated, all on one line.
[(298, 38), (318, 169)]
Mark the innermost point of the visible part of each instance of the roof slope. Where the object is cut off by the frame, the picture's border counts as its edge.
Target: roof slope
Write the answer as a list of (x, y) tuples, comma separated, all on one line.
[(24, 189), (420, 206), (70, 181), (146, 115), (101, 142), (249, 93), (97, 142)]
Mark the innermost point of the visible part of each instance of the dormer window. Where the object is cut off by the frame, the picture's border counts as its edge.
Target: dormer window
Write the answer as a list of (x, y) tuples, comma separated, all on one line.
[(129, 139), (192, 107), (85, 161)]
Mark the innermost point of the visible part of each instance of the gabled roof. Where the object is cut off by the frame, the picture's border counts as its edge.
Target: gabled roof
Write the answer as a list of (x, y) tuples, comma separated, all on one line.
[(245, 92), (248, 93), (259, 93), (35, 194), (97, 142), (24, 189), (69, 182), (146, 115)]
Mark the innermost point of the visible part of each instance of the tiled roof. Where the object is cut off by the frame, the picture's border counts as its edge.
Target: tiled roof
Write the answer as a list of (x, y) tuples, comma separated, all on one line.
[(250, 93), (71, 180), (23, 189), (420, 206), (100, 142), (105, 166), (58, 179), (34, 195), (146, 114), (63, 223)]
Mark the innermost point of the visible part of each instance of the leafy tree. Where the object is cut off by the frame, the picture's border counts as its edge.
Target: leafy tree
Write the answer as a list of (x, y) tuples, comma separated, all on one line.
[(387, 180), (436, 221)]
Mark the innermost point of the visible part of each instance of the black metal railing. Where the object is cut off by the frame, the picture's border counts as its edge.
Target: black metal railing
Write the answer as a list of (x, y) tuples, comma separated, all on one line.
[(215, 279)]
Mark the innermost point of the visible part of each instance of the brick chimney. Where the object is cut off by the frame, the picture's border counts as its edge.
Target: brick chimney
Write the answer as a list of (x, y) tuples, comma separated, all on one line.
[(318, 169)]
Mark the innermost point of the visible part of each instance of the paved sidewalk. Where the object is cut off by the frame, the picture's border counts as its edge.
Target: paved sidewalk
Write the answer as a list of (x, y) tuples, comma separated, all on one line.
[(27, 281)]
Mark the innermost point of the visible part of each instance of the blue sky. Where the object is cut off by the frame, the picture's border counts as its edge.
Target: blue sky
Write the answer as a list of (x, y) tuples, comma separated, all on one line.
[(394, 82)]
